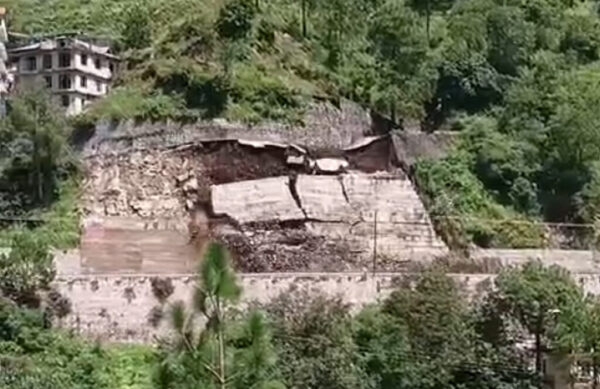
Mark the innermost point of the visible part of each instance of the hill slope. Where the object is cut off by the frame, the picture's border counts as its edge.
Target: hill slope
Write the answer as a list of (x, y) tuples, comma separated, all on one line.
[(518, 79)]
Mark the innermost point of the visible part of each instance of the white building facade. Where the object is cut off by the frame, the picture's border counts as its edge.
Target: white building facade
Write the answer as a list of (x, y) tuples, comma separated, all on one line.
[(75, 71), (5, 76)]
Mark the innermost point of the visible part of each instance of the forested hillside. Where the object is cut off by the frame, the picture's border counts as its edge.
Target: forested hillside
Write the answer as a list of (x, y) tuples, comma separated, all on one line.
[(519, 79)]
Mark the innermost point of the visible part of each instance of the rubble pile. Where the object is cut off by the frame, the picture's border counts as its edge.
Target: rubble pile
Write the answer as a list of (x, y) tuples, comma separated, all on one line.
[(277, 207)]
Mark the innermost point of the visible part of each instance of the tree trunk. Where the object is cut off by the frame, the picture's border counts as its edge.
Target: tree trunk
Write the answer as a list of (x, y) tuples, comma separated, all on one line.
[(538, 352), (428, 20), (220, 340), (594, 373), (304, 18), (36, 159)]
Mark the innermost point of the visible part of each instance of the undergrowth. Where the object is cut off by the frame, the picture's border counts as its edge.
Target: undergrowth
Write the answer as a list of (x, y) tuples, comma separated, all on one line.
[(464, 212), (58, 226)]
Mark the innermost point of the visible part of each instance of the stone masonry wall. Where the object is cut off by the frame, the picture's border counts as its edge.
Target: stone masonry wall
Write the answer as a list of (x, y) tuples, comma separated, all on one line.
[(121, 307), (326, 126)]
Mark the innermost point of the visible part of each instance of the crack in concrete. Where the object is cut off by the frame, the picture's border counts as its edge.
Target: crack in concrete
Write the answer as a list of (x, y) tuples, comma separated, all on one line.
[(344, 193), (353, 225), (294, 192)]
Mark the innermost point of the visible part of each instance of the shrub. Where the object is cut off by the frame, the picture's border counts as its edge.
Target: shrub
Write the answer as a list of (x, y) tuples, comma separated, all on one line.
[(258, 95), (162, 288), (58, 305), (155, 316), (26, 269), (464, 212), (235, 19)]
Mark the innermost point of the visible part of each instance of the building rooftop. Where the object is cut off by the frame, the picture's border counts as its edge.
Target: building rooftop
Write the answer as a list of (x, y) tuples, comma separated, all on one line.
[(49, 44)]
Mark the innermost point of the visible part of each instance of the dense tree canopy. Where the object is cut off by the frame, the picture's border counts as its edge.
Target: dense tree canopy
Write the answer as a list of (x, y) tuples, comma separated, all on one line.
[(34, 152), (517, 78)]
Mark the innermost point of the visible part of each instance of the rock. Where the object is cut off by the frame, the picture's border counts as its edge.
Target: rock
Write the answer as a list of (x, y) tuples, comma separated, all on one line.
[(295, 160), (112, 191), (191, 185), (142, 207), (170, 205), (181, 178), (331, 165), (110, 209), (189, 204)]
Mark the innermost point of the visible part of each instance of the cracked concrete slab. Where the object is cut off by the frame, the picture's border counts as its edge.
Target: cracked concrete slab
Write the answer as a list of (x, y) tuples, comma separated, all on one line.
[(394, 199), (268, 199), (323, 199)]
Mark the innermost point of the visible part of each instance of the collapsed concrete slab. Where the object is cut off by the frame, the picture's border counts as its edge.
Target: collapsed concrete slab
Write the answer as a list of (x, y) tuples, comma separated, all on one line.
[(350, 219), (378, 216), (322, 198), (394, 199), (268, 199), (273, 216)]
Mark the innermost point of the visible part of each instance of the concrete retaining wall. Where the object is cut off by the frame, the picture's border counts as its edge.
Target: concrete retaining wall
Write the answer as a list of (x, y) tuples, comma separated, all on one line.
[(576, 261), (119, 307)]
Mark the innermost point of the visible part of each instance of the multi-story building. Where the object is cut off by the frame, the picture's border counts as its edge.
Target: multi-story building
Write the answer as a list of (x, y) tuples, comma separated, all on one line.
[(76, 71), (5, 75)]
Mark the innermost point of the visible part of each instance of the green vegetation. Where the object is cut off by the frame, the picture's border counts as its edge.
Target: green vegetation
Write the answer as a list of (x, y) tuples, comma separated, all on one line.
[(33, 356), (215, 354), (425, 335), (26, 269), (34, 154), (518, 79), (38, 174)]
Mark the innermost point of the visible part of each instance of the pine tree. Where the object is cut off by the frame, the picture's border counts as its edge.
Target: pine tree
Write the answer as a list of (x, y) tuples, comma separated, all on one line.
[(209, 354)]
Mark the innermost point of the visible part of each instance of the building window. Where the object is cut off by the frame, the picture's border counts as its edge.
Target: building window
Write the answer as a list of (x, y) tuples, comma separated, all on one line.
[(64, 81), (83, 81), (98, 63), (84, 59), (111, 67), (99, 86), (31, 64), (48, 61), (48, 80), (64, 100), (64, 60)]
